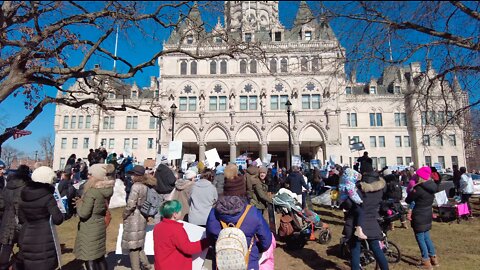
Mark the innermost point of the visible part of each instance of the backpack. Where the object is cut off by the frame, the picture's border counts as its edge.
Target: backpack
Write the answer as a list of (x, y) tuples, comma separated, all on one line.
[(151, 204), (286, 227), (232, 251), (394, 190)]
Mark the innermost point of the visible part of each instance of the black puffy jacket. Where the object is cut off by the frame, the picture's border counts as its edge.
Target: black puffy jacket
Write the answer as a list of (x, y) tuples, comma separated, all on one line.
[(423, 195), (37, 246), (371, 192), (165, 179), (10, 228)]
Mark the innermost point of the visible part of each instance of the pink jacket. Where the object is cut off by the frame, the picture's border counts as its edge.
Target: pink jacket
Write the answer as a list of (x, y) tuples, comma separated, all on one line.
[(267, 259)]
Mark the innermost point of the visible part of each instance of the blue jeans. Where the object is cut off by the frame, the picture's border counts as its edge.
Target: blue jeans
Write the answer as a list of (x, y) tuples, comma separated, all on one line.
[(425, 244), (355, 248)]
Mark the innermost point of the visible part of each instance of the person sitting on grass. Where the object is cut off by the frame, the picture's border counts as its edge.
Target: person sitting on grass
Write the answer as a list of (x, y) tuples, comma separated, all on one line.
[(172, 248)]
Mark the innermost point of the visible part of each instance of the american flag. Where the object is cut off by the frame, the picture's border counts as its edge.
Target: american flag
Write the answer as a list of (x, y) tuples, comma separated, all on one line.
[(17, 133)]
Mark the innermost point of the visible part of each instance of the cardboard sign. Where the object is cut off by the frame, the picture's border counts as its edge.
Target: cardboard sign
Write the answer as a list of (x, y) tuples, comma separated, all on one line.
[(175, 150), (149, 163)]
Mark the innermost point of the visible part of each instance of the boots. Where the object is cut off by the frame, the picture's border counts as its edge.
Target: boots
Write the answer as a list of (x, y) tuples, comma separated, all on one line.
[(404, 225), (392, 226), (425, 264), (359, 233), (434, 261)]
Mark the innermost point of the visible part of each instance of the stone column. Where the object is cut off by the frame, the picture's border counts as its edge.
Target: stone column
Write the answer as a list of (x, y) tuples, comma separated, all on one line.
[(263, 150), (201, 152), (233, 152), (296, 149)]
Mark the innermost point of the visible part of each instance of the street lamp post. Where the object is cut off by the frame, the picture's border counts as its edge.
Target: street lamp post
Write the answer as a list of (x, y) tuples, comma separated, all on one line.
[(289, 105), (159, 150), (173, 108)]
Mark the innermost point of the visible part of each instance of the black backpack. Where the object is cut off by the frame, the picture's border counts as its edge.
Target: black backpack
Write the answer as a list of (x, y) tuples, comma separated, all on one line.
[(394, 189)]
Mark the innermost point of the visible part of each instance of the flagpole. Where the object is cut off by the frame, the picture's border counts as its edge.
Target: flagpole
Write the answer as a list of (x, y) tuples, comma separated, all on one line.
[(116, 47)]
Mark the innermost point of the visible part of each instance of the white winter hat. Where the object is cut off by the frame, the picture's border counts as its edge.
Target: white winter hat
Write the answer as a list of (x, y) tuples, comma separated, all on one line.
[(44, 175), (189, 174)]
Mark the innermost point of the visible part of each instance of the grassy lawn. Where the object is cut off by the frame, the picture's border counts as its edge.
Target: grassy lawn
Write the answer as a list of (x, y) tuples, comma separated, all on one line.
[(458, 245)]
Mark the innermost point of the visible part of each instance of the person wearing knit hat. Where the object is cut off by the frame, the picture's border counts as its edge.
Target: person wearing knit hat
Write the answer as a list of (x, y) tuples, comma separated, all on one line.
[(422, 196), (183, 191), (261, 198), (230, 207), (92, 207), (37, 207)]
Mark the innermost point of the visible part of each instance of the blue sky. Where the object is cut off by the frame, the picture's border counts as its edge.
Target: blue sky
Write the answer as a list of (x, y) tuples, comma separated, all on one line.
[(137, 48)]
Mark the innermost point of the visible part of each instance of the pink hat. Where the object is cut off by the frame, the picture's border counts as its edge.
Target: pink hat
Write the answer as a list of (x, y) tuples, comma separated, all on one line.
[(424, 172)]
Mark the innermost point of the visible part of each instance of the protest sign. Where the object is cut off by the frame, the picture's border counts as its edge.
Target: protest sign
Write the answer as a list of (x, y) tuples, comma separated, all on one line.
[(212, 157), (241, 161), (438, 166), (189, 158), (61, 201), (296, 160), (258, 161), (175, 150), (315, 163)]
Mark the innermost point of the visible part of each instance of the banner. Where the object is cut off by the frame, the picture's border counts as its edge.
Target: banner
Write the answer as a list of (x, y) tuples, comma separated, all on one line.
[(175, 150)]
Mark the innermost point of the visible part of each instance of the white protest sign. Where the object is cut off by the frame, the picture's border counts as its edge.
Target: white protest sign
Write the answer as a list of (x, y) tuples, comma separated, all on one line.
[(212, 157), (194, 233), (61, 201), (175, 150), (267, 158), (189, 158), (241, 161), (258, 161)]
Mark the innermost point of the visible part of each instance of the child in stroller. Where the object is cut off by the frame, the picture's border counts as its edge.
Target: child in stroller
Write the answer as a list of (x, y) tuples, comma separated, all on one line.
[(297, 226)]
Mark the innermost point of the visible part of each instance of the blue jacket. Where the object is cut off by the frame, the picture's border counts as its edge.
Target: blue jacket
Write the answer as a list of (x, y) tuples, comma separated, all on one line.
[(253, 225)]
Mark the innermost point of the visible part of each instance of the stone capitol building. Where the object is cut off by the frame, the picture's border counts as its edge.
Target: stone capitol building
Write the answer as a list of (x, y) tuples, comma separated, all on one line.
[(237, 104)]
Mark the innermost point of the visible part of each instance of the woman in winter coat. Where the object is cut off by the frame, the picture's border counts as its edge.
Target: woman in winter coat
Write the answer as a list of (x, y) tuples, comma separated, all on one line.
[(230, 208), (9, 228), (372, 190), (90, 244), (204, 196), (260, 197), (37, 208), (423, 195), (134, 223)]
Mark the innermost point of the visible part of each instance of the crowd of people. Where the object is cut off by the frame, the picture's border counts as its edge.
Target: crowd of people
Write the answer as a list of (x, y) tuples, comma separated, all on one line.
[(218, 198)]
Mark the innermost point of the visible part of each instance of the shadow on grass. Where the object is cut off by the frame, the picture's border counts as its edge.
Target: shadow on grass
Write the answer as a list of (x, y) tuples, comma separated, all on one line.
[(311, 258)]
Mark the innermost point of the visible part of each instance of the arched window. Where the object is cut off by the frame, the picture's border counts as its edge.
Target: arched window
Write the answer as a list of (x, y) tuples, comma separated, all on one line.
[(253, 66), (183, 68), (303, 64), (243, 66), (193, 68), (213, 67), (223, 67), (283, 65), (273, 65)]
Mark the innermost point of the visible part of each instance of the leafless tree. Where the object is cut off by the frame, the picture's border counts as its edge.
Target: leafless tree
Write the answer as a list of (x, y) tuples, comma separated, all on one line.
[(38, 40), (46, 146), (385, 33), (10, 153)]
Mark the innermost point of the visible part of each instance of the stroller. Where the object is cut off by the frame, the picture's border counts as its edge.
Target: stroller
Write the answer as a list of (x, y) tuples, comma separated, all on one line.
[(305, 225)]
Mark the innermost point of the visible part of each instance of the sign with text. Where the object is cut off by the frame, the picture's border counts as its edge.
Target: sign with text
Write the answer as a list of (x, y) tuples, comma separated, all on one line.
[(296, 160), (189, 158), (212, 157)]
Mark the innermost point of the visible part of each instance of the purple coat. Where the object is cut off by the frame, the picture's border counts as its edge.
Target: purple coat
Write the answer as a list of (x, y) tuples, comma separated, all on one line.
[(229, 209)]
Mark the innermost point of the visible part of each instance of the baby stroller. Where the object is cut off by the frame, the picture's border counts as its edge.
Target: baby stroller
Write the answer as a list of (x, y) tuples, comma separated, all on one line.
[(301, 225)]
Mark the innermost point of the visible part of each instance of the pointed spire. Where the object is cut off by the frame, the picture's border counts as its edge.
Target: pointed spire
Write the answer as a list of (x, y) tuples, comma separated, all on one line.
[(456, 84), (219, 24), (304, 14)]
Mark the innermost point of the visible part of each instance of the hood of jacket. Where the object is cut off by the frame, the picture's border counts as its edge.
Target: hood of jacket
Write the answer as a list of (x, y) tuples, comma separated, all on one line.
[(17, 182), (105, 186), (182, 184), (203, 183), (230, 205), (147, 179), (34, 191), (373, 186), (429, 186)]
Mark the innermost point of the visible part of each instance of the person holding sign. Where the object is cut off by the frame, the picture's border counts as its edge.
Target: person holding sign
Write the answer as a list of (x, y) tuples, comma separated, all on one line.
[(172, 248)]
